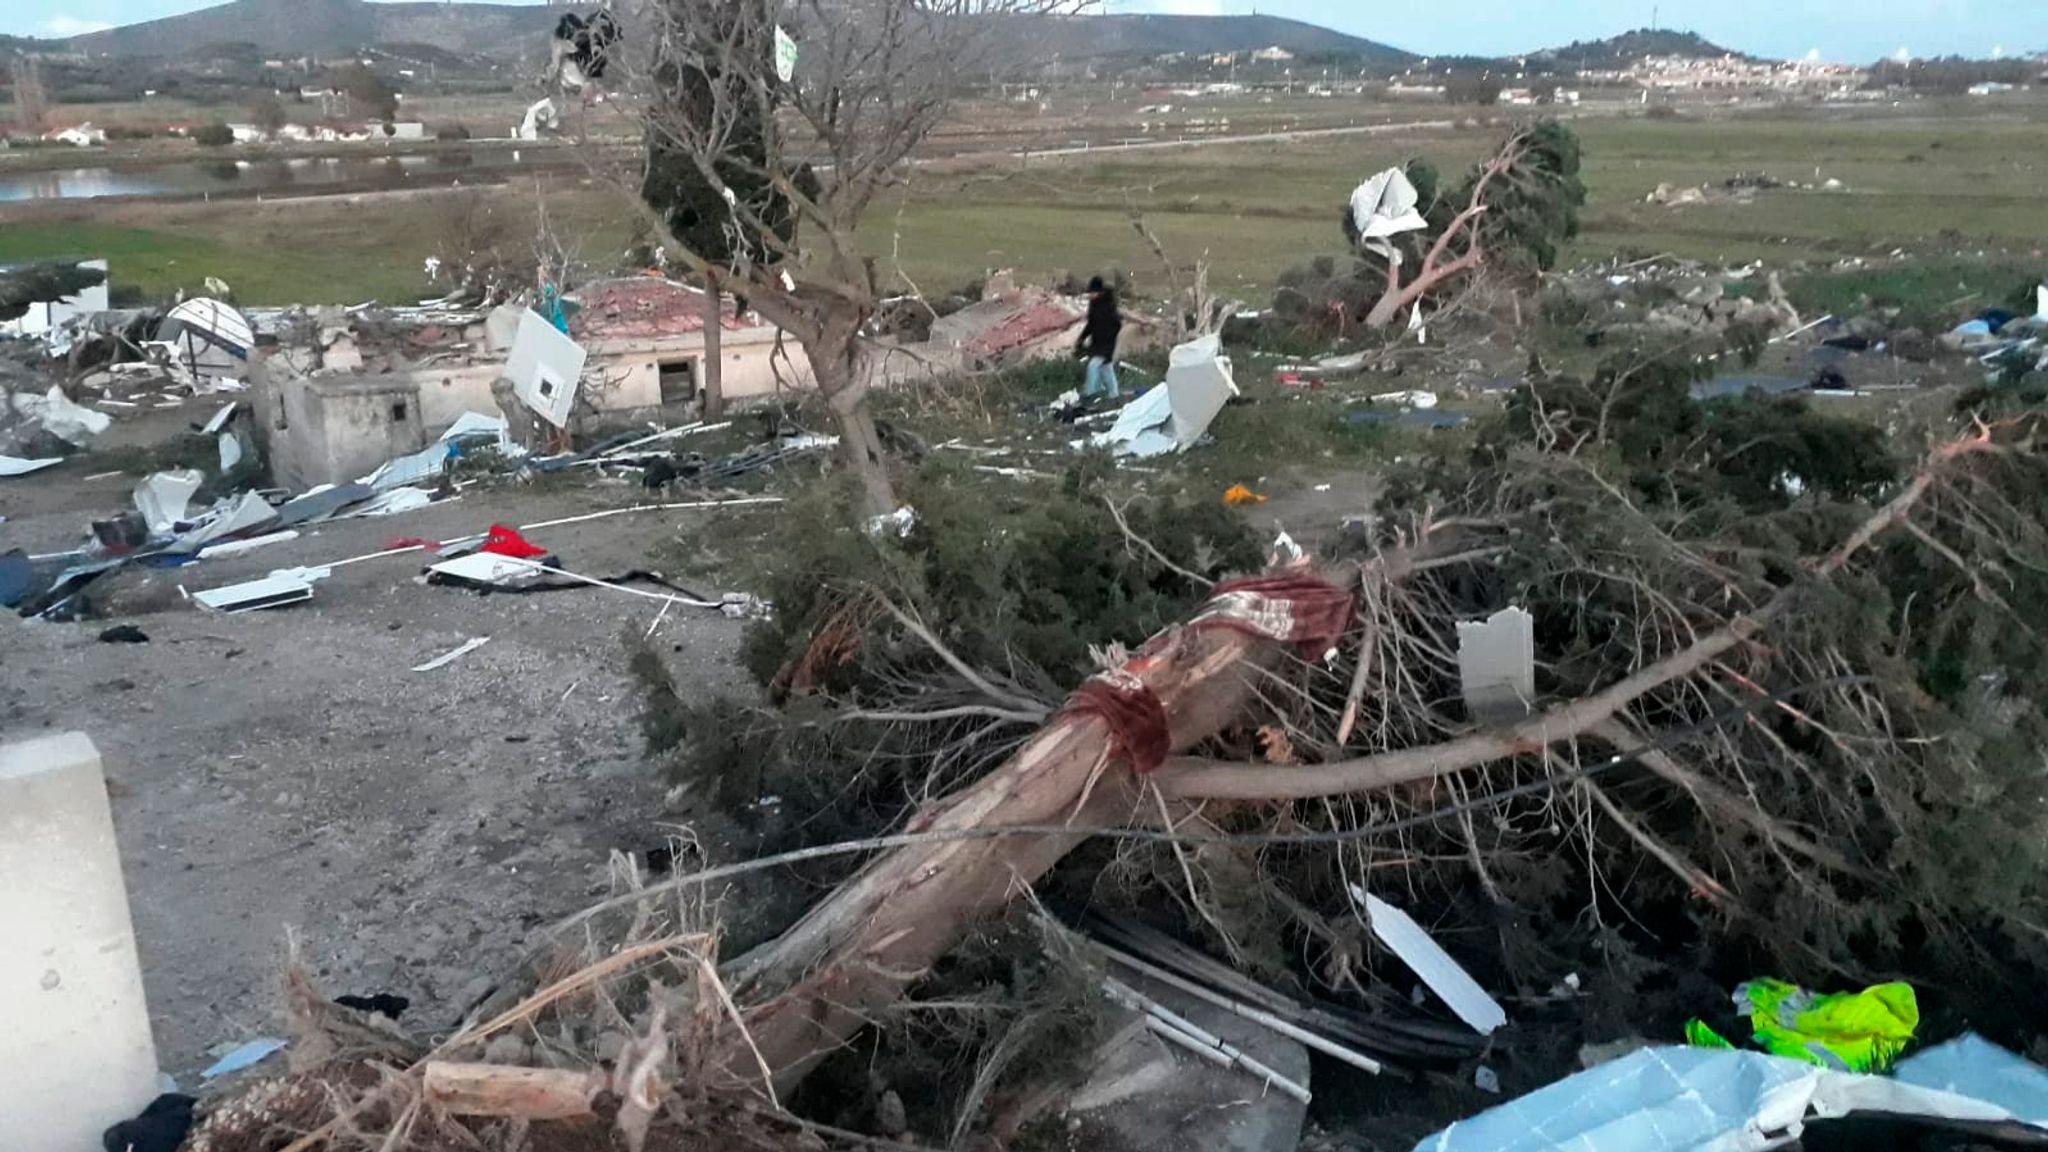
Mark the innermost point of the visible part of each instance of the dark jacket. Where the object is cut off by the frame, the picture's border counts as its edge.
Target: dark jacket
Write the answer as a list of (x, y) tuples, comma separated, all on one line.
[(1105, 324)]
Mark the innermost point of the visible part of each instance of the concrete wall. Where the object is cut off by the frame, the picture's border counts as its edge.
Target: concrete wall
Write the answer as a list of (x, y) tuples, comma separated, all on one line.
[(340, 428), (754, 367), (76, 1055)]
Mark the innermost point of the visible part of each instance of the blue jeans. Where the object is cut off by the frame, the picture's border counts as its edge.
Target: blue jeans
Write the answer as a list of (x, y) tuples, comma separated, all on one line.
[(1102, 378)]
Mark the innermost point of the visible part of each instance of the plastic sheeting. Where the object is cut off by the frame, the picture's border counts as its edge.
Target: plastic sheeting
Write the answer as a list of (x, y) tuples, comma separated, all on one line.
[(58, 416), (1973, 1066), (1714, 1100), (1385, 207), (433, 459), (17, 466), (1173, 416), (163, 497)]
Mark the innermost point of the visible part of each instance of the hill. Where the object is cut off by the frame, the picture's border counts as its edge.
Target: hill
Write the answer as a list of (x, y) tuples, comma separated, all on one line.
[(1617, 52), (330, 28), (1089, 37)]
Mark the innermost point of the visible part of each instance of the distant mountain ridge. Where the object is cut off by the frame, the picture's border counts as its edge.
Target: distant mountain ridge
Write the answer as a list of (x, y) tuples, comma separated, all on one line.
[(331, 28)]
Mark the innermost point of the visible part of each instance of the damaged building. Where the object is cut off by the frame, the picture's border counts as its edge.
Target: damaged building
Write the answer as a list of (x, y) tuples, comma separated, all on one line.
[(371, 390)]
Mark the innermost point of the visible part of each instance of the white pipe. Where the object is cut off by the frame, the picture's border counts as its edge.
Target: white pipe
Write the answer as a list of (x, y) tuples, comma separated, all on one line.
[(669, 597), (1255, 1015), (1137, 1001)]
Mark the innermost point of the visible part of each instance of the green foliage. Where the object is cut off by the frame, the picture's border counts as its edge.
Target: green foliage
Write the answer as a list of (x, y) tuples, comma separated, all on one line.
[(1009, 578), (1639, 520), (214, 135), (1534, 212), (1760, 452)]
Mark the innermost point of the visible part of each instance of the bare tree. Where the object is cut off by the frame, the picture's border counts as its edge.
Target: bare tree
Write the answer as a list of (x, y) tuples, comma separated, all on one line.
[(761, 167), (31, 106)]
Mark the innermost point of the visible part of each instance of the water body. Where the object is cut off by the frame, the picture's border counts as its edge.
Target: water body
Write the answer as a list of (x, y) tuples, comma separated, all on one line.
[(303, 176)]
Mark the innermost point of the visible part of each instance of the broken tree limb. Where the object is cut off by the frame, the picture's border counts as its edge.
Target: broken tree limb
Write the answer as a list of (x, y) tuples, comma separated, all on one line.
[(820, 982), (1218, 780), (1691, 874), (878, 933), (1436, 271), (1716, 799), (512, 1092)]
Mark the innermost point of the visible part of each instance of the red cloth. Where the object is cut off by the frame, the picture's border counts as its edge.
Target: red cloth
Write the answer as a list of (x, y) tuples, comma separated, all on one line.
[(1293, 608), (503, 541), (1136, 718)]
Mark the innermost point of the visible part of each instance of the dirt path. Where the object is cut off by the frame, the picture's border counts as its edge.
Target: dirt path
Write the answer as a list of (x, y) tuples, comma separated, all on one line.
[(287, 769)]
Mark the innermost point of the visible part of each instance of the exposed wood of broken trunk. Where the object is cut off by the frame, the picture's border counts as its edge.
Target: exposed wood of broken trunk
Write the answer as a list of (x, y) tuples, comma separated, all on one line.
[(879, 932)]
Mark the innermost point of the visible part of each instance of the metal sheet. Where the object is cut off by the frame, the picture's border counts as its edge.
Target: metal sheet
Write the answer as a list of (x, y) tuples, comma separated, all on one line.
[(545, 369)]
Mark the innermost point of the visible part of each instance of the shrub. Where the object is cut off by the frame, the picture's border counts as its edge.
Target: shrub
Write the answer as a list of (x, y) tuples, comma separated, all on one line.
[(214, 135)]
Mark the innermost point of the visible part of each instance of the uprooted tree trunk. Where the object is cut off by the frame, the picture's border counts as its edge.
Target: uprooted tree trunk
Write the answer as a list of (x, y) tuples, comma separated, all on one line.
[(859, 950), (820, 983)]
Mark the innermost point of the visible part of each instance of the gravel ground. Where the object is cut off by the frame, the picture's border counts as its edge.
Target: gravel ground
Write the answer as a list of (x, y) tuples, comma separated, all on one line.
[(286, 770)]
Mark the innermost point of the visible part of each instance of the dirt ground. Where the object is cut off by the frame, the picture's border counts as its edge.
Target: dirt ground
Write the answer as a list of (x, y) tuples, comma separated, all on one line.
[(287, 771)]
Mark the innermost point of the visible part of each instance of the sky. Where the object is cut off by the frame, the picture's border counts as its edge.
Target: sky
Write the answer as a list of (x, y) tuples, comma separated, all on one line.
[(1851, 31)]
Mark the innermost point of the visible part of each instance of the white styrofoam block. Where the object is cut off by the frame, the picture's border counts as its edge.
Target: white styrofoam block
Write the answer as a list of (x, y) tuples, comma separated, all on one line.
[(76, 1054)]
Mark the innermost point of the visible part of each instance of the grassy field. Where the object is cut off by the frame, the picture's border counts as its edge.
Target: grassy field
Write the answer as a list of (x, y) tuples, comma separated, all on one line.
[(1966, 191)]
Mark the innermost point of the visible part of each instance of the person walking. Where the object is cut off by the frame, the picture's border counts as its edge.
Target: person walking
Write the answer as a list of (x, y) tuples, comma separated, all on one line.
[(1098, 341)]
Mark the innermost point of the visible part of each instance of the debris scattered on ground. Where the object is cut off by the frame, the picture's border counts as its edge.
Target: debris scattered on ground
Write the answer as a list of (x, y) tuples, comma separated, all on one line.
[(276, 590), (1431, 964), (452, 657), (1174, 416), (16, 466), (243, 1056), (124, 634), (1672, 1099), (1861, 1031), (161, 1127)]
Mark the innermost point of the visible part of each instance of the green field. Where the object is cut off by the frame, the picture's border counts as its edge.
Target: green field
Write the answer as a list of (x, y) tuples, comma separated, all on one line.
[(1965, 190)]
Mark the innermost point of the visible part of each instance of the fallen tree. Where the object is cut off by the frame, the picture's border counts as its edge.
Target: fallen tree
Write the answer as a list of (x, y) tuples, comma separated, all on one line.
[(1820, 753), (860, 948)]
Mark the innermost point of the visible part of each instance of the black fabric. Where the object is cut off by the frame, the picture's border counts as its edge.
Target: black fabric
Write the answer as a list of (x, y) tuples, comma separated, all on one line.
[(1105, 324), (161, 1127), (383, 1004)]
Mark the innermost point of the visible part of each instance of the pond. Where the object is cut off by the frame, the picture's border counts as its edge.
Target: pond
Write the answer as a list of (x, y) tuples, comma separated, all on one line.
[(300, 176)]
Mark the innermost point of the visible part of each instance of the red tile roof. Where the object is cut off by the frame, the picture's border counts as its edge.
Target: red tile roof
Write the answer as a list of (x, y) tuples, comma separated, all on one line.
[(646, 308), (1034, 320)]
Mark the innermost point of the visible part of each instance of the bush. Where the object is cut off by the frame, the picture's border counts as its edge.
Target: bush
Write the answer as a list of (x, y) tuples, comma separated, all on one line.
[(214, 135), (1482, 89), (449, 133)]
